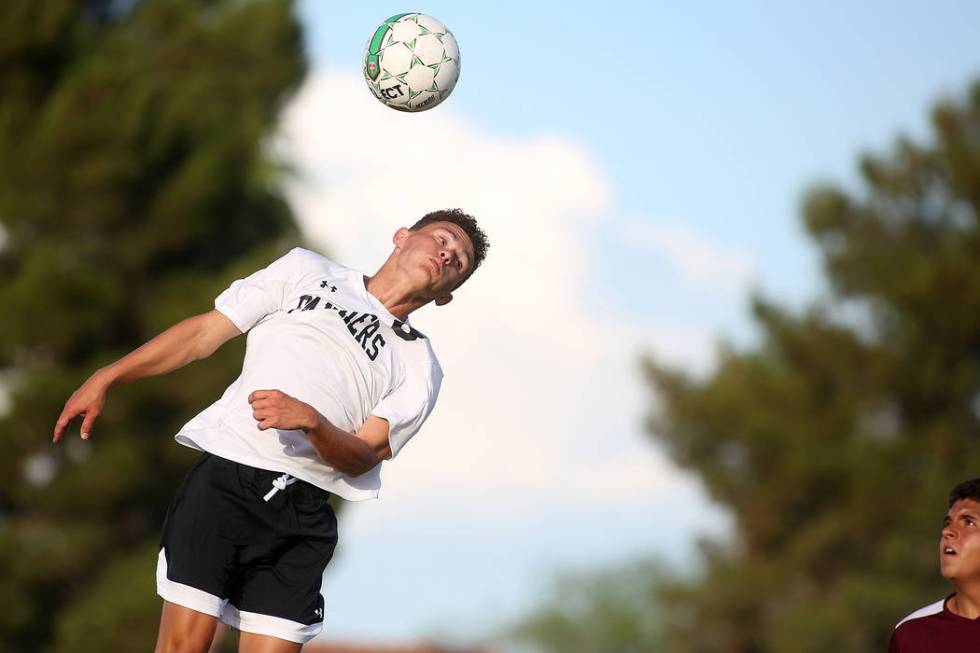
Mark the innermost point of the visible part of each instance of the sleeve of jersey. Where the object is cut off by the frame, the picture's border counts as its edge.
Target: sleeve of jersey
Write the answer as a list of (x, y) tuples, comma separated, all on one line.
[(408, 405), (246, 301)]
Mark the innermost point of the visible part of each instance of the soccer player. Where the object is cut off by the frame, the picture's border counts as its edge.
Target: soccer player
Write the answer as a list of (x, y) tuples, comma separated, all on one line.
[(334, 382), (951, 625)]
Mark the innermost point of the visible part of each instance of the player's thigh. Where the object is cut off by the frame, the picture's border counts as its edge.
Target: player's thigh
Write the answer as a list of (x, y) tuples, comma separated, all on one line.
[(183, 630), (255, 643), (279, 595)]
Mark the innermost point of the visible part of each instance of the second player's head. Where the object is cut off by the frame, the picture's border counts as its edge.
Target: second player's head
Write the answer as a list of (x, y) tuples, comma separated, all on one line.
[(959, 544)]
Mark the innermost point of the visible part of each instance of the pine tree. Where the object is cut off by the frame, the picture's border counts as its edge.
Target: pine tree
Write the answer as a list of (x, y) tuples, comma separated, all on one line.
[(834, 443), (135, 183)]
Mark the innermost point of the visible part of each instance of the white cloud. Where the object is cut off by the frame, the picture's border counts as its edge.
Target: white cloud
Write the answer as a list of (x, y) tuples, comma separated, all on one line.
[(702, 264)]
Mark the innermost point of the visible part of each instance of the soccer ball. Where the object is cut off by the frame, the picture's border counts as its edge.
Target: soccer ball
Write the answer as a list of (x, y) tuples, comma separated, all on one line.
[(412, 62)]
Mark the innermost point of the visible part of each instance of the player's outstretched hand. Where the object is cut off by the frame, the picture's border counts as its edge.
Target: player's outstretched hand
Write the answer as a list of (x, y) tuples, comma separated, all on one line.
[(88, 400), (274, 409)]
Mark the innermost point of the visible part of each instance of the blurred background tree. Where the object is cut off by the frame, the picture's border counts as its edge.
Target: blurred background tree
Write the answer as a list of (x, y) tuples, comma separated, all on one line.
[(616, 610), (135, 183), (834, 442)]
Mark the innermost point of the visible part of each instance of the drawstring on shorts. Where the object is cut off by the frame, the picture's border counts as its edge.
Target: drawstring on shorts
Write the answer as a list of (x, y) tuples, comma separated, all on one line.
[(279, 483)]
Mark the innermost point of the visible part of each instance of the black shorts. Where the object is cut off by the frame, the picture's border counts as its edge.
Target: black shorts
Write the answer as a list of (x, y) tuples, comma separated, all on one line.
[(249, 547)]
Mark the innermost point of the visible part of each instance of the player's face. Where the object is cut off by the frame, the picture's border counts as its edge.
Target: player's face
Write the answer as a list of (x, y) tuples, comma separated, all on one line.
[(959, 545), (439, 256)]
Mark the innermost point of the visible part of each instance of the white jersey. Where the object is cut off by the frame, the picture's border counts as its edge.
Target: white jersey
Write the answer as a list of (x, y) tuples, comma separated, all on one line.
[(317, 334)]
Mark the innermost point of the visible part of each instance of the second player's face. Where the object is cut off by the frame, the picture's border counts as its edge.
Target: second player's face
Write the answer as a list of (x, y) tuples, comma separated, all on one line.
[(959, 545), (440, 255)]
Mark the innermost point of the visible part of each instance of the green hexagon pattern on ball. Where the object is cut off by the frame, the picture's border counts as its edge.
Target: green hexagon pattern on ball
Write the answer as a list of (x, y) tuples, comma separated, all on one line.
[(411, 62)]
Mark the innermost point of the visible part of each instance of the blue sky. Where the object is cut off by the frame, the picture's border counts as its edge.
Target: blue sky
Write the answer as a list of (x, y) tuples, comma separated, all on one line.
[(715, 113), (674, 142)]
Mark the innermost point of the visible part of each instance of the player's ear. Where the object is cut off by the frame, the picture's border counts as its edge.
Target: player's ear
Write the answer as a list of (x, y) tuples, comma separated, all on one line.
[(442, 300), (400, 236)]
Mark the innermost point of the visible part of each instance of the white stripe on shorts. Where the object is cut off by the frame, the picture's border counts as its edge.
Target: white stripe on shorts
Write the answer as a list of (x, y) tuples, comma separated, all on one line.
[(249, 622), (185, 595), (263, 624)]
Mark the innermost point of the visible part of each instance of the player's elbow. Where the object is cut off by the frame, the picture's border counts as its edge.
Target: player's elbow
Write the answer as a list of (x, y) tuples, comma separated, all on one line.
[(362, 459), (361, 465), (348, 453), (211, 330)]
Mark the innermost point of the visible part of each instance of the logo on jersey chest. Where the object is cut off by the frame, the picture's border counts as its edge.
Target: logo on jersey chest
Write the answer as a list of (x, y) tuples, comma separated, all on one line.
[(362, 326)]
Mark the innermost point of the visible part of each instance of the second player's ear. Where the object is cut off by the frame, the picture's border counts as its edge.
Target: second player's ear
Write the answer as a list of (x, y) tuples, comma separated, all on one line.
[(442, 300)]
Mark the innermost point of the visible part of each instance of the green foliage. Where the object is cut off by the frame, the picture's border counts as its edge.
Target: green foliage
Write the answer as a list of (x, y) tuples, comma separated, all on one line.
[(613, 611), (116, 612), (834, 443), (134, 185)]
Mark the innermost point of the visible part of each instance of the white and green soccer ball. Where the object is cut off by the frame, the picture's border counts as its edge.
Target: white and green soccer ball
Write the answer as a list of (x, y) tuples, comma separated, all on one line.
[(411, 62)]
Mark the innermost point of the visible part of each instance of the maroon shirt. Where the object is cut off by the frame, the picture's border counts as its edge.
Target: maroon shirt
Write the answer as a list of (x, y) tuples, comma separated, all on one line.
[(934, 629)]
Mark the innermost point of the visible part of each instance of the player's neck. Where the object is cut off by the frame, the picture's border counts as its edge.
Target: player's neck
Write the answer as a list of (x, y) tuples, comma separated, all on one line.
[(398, 298), (966, 602)]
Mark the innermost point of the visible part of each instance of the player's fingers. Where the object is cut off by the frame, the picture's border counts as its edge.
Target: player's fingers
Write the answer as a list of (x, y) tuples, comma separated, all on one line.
[(263, 413), (67, 415), (59, 427), (87, 423), (260, 394)]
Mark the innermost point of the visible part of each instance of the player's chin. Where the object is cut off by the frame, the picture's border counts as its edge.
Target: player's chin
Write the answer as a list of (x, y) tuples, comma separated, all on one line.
[(947, 569), (436, 291), (433, 286)]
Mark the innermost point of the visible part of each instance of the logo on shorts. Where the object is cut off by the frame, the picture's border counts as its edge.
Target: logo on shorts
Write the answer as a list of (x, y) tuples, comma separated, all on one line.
[(319, 613)]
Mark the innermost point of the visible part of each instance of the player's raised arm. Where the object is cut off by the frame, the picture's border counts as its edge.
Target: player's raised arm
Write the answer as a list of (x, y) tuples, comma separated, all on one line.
[(187, 341)]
